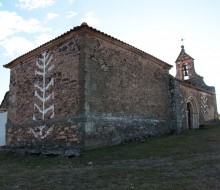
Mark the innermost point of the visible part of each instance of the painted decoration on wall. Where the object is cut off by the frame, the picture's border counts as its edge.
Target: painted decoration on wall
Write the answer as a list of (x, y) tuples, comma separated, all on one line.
[(204, 105), (44, 67), (41, 131)]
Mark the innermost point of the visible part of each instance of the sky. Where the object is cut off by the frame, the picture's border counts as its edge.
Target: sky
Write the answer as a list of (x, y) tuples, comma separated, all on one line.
[(154, 26)]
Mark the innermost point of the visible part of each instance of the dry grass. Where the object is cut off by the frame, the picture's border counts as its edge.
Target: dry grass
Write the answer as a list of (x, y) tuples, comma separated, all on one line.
[(187, 161)]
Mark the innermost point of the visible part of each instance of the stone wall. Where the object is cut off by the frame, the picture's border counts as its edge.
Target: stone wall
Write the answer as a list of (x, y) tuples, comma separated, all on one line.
[(204, 104), (45, 98), (87, 92), (177, 104), (126, 94), (86, 89)]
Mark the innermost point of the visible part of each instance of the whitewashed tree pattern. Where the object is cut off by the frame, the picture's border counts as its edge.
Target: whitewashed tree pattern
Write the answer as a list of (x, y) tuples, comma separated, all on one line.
[(40, 132), (204, 105), (43, 68)]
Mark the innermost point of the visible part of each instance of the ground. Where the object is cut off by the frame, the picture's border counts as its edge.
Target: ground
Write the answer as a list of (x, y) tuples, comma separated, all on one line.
[(187, 161)]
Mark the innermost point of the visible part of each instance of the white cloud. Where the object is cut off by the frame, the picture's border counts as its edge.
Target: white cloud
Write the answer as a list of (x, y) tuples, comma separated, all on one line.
[(16, 45), (43, 38), (31, 26), (14, 26), (34, 4), (90, 18), (71, 14), (11, 23), (71, 2), (51, 16)]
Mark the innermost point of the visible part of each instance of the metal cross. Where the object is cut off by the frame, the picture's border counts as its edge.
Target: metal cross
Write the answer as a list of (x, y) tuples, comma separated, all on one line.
[(182, 40)]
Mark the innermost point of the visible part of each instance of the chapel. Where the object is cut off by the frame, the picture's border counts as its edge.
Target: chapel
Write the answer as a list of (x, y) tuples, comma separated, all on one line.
[(87, 89)]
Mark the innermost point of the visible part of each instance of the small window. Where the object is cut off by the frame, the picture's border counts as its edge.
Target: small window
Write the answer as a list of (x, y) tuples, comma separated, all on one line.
[(185, 72)]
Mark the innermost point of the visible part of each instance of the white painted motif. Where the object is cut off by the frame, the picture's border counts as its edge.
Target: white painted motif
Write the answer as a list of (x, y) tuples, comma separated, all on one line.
[(41, 132), (204, 105), (44, 67)]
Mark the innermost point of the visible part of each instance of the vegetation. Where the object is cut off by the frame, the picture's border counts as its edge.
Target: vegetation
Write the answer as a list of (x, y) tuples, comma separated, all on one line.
[(187, 161)]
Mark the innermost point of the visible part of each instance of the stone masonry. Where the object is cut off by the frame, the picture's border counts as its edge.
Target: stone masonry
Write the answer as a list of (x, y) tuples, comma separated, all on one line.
[(86, 89)]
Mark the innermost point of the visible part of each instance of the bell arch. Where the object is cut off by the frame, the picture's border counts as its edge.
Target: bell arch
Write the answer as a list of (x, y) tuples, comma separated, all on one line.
[(192, 113)]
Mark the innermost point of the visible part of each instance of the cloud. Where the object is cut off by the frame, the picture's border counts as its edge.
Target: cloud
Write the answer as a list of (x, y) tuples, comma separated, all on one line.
[(43, 38), (51, 16), (34, 4), (16, 45), (11, 23), (14, 27), (71, 14), (90, 18)]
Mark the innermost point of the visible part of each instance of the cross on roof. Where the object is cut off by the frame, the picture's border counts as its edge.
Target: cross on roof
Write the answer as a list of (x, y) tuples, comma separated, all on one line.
[(182, 40)]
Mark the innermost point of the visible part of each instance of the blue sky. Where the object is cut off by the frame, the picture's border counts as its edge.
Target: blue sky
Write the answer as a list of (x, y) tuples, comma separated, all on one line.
[(154, 26)]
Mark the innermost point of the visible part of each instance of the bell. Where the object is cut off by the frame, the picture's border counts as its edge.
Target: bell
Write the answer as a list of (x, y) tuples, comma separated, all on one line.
[(185, 73), (185, 70)]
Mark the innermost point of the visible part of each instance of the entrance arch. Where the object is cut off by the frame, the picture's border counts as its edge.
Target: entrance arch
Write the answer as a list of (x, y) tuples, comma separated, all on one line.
[(192, 114)]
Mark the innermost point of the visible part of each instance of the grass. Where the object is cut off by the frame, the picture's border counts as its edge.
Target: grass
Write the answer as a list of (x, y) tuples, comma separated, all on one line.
[(187, 161)]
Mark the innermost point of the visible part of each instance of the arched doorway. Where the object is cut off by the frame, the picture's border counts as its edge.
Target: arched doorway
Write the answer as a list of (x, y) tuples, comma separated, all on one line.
[(192, 114), (189, 115)]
